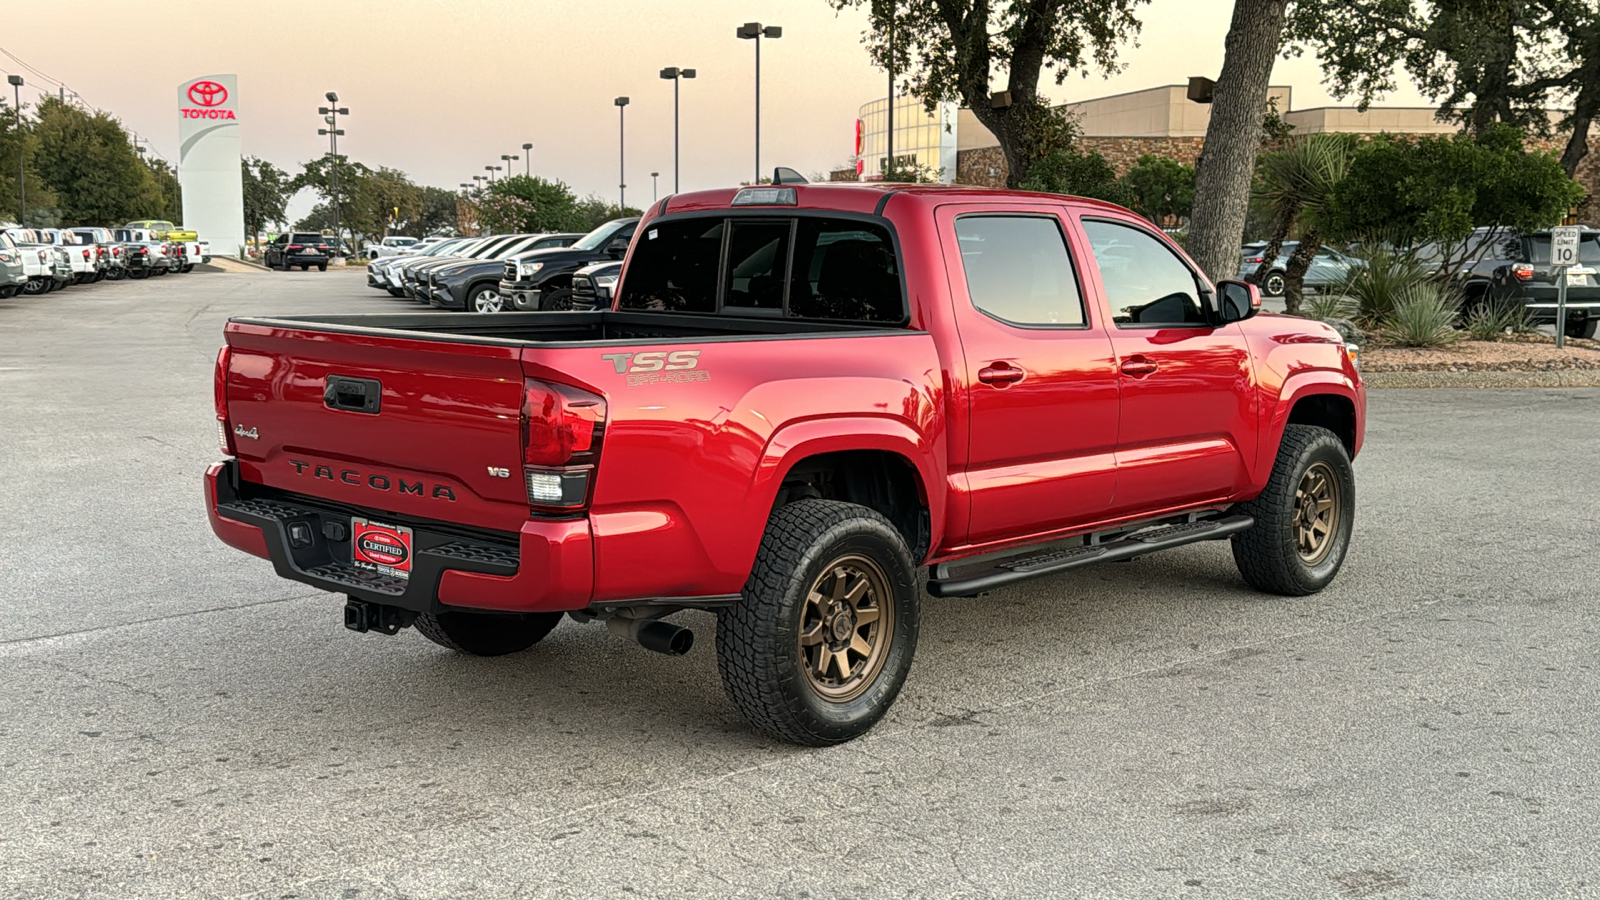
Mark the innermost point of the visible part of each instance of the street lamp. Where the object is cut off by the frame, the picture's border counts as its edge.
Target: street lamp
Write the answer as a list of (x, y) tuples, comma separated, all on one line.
[(676, 74), (331, 114), (527, 159), (22, 191), (508, 157), (753, 31), (491, 170), (653, 192), (622, 159)]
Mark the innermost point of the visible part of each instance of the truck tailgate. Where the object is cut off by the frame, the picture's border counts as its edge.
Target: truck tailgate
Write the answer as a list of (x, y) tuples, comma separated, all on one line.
[(415, 428)]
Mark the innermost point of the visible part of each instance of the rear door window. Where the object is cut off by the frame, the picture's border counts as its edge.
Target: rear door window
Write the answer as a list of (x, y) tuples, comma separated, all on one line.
[(1018, 270)]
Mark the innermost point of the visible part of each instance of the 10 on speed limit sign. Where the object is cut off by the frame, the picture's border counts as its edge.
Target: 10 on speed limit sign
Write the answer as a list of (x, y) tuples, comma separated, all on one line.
[(1564, 245)]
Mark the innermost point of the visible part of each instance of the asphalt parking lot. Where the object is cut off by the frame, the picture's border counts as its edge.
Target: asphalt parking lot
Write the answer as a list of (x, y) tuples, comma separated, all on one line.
[(178, 722)]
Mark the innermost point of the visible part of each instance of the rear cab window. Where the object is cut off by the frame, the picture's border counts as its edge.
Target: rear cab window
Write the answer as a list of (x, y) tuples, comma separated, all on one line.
[(797, 266)]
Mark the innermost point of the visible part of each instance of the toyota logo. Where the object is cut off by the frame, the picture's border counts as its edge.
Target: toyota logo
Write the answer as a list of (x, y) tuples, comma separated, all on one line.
[(208, 93)]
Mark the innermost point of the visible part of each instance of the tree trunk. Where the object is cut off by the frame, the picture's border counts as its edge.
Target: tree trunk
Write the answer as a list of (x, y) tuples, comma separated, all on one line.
[(1233, 136), (1294, 274), (1583, 113), (1280, 233)]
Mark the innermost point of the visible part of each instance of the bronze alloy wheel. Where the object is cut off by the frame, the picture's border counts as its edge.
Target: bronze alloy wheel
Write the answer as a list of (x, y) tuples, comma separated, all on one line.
[(845, 628), (1317, 510)]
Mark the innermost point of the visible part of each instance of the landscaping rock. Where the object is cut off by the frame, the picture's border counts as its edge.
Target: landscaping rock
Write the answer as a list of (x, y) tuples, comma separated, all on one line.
[(1347, 330)]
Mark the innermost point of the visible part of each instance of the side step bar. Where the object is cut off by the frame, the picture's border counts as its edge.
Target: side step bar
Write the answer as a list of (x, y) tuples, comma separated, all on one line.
[(978, 577)]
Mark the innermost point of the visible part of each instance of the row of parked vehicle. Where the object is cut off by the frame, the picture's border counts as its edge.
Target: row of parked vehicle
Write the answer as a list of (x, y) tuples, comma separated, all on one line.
[(40, 260), (1497, 267), (504, 272)]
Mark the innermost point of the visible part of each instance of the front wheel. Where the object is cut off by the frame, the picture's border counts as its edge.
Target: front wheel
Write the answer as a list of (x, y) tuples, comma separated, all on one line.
[(485, 300), (1304, 517), (819, 643), (560, 298), (486, 634)]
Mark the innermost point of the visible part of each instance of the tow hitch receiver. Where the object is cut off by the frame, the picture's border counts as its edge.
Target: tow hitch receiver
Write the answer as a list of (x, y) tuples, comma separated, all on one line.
[(362, 616)]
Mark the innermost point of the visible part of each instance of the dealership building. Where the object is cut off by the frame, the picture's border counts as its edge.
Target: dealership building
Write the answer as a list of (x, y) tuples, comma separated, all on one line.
[(1121, 127)]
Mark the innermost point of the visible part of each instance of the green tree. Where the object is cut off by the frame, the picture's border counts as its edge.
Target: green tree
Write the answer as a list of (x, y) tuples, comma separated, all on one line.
[(17, 139), (530, 205), (595, 211), (954, 50), (1415, 191), (438, 212), (168, 191), (266, 195), (1065, 170), (1298, 182), (89, 162), (1160, 189)]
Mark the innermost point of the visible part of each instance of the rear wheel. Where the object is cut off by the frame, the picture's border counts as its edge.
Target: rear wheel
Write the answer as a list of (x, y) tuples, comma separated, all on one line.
[(322, 268), (116, 274), (36, 285), (396, 292), (1582, 328), (1304, 517), (486, 634), (305, 267), (1273, 284), (819, 643), (139, 273)]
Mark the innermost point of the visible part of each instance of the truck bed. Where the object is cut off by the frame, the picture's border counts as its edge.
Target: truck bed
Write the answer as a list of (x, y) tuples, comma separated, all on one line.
[(564, 329)]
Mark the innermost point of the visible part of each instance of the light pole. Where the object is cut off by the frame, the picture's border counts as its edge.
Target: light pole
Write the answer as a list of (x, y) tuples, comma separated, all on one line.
[(22, 190), (508, 157), (676, 74), (527, 160), (622, 147), (491, 170), (654, 194), (889, 162), (333, 111), (753, 31)]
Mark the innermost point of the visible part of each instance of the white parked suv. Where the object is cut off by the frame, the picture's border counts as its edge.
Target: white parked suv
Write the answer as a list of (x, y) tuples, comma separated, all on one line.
[(389, 246)]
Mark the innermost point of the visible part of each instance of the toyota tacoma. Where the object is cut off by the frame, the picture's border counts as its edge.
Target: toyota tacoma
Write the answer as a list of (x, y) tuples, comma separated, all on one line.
[(806, 405)]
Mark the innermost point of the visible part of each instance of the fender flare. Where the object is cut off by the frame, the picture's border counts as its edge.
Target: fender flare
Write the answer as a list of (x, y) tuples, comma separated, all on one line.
[(1297, 387), (797, 441)]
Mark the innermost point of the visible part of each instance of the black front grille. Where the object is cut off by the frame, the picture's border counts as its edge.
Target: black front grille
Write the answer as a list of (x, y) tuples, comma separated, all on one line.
[(583, 292)]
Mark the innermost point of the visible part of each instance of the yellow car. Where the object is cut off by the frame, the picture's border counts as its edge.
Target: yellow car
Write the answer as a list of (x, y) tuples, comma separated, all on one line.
[(164, 230)]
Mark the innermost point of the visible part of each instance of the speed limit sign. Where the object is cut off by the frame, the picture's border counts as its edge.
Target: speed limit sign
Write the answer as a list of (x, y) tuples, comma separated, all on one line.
[(1564, 245)]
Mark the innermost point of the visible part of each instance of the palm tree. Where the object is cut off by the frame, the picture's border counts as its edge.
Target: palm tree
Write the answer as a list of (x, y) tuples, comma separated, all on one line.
[(1297, 182)]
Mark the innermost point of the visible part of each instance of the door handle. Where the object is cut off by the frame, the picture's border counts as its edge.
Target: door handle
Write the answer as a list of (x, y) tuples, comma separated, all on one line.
[(1138, 367), (1000, 374)]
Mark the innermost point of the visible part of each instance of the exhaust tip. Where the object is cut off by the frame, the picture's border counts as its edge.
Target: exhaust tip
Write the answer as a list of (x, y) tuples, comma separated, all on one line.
[(653, 634)]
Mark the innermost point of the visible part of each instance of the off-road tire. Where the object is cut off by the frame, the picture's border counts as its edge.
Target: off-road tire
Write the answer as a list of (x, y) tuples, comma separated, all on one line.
[(486, 634), (758, 638), (1267, 554)]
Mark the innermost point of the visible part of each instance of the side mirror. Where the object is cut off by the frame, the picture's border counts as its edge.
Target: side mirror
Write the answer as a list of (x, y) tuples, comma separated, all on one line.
[(1237, 300), (618, 247)]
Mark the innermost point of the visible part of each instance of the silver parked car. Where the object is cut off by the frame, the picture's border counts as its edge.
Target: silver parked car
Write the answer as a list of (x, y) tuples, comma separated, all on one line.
[(1328, 267)]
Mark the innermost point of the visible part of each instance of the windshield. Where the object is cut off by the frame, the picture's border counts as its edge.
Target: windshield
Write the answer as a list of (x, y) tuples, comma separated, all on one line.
[(597, 238)]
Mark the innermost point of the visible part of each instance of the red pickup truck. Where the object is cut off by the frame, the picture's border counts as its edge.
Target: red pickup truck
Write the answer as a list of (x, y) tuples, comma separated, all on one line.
[(803, 398)]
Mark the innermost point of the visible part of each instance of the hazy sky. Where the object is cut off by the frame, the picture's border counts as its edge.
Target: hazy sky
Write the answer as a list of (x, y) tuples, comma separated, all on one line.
[(441, 89)]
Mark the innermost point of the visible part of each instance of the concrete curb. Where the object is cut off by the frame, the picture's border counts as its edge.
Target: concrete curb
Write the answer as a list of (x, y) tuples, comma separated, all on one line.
[(1490, 379), (231, 264)]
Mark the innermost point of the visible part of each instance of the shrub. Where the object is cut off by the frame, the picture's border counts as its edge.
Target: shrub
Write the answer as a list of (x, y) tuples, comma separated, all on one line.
[(1423, 315), (1377, 286), (1328, 305), (1490, 321)]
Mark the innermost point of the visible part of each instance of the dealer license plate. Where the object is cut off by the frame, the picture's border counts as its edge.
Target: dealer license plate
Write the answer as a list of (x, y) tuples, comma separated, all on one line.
[(381, 547), (1576, 278)]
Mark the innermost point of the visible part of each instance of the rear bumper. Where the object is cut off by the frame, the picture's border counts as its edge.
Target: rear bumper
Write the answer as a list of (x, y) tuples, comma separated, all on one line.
[(547, 567)]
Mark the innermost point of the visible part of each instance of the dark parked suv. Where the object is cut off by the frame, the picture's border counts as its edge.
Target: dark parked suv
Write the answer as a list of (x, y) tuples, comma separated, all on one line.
[(1517, 272), (301, 248)]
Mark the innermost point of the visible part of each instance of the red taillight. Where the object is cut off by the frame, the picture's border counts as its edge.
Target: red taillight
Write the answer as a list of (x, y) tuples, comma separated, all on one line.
[(86, 253), (1523, 271), (562, 428), (219, 399), (295, 247), (1256, 259)]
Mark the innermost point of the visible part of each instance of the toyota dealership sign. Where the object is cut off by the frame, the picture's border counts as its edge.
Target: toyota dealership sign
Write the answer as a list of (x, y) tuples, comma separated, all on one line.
[(208, 161)]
